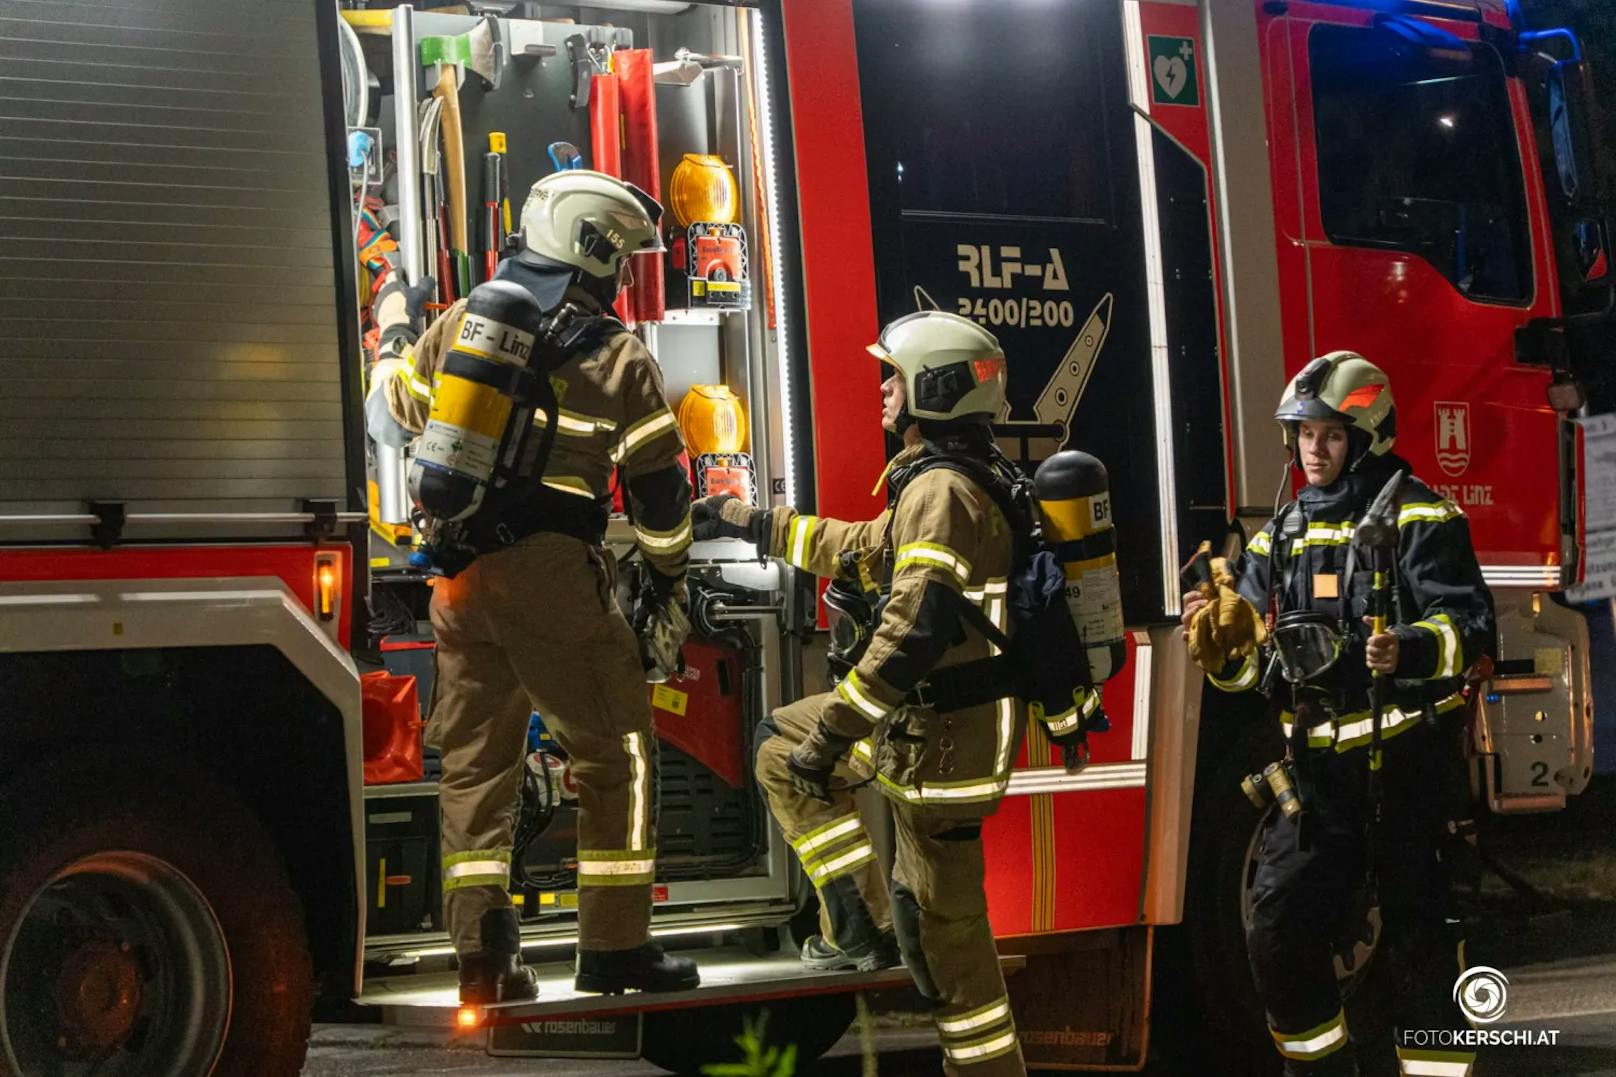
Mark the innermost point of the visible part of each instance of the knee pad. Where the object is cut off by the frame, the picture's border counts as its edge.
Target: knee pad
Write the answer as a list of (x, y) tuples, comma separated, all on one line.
[(906, 926)]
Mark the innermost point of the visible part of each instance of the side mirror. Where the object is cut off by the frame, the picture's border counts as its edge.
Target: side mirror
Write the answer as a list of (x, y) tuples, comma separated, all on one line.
[(1568, 127), (1577, 193)]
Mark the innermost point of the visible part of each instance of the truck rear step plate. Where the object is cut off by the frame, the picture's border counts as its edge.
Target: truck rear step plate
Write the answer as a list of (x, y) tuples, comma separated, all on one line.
[(728, 975)]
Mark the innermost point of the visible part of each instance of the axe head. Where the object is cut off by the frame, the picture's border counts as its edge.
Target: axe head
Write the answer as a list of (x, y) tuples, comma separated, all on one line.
[(487, 52), (1378, 528), (478, 50)]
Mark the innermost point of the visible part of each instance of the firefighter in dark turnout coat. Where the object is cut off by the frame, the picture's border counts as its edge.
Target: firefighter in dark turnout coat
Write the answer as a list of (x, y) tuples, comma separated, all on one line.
[(1304, 581)]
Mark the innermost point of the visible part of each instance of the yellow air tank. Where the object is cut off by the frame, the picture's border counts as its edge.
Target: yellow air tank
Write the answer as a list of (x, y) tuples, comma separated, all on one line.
[(1074, 499)]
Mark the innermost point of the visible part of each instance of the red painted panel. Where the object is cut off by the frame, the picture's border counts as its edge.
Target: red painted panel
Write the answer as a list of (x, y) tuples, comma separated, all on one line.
[(1186, 123), (838, 266), (1099, 858), (293, 565), (1115, 746), (700, 710), (1007, 849)]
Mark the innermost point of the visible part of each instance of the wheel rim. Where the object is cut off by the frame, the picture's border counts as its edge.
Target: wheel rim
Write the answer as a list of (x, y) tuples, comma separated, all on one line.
[(1351, 963), (116, 967)]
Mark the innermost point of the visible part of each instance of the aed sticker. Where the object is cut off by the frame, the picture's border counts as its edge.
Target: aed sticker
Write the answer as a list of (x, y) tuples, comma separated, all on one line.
[(1172, 71), (669, 699)]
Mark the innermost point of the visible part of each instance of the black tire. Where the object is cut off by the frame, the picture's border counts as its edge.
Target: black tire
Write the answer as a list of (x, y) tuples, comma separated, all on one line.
[(1222, 1021), (683, 1041), (171, 893), (718, 274)]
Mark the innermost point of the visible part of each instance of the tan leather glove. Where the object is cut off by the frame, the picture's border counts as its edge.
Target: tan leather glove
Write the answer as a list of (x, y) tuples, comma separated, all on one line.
[(1204, 650), (1240, 629)]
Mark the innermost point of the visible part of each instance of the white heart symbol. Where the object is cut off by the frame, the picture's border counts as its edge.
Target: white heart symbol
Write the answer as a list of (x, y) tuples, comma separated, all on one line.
[(1171, 73)]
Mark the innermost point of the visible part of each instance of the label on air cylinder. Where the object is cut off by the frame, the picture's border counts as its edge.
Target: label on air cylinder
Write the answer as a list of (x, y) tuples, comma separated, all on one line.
[(1096, 601), (488, 339), (457, 449)]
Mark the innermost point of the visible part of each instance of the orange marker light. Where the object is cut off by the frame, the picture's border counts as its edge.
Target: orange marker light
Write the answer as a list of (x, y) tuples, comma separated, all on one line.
[(325, 589), (467, 1018)]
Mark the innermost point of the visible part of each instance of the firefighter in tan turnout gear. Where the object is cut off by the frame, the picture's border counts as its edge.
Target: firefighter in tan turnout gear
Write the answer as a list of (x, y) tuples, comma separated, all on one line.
[(941, 750), (532, 622)]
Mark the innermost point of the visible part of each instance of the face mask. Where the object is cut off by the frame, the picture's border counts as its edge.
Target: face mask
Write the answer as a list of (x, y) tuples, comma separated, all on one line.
[(1308, 644)]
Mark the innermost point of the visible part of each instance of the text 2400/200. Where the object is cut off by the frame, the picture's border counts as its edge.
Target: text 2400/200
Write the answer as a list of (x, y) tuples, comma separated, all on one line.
[(1016, 311)]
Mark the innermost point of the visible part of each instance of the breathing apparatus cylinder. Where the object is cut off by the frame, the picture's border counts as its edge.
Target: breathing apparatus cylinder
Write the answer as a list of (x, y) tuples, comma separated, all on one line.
[(1074, 499), (476, 411)]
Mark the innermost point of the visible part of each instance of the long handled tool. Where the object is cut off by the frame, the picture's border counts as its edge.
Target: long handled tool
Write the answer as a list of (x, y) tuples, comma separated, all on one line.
[(1376, 534), (478, 51), (454, 173), (434, 256), (493, 234)]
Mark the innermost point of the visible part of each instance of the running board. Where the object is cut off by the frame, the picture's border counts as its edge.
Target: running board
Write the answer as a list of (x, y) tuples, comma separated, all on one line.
[(729, 975)]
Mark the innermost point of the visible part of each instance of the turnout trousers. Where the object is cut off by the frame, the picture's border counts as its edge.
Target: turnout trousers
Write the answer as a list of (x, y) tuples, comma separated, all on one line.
[(1311, 896), (938, 907), (536, 627)]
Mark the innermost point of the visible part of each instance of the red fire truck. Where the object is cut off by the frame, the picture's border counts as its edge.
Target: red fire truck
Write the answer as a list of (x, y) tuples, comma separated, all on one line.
[(219, 806)]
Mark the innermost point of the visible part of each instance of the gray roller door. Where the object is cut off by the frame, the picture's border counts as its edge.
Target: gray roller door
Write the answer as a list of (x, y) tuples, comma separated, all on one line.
[(174, 320)]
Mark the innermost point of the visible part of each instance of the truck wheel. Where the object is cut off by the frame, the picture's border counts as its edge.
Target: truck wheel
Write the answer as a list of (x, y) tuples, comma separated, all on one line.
[(146, 926), (683, 1041), (718, 274), (1228, 1024)]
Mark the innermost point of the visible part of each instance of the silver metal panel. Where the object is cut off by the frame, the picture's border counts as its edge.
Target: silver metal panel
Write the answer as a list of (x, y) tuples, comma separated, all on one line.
[(1245, 221), (169, 306)]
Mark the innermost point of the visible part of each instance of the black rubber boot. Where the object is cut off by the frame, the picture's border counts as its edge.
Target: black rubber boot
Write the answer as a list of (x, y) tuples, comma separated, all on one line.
[(496, 973), (882, 953), (644, 968)]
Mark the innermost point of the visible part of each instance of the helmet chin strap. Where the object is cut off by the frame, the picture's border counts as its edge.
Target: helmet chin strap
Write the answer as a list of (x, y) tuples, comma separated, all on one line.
[(904, 420), (603, 290)]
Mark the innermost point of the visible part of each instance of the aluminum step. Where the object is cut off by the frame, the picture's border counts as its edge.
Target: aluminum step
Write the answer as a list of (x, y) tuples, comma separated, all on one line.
[(729, 974)]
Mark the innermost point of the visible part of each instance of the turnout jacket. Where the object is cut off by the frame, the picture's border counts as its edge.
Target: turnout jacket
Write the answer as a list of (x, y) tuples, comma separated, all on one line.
[(613, 413), (1443, 618), (948, 540)]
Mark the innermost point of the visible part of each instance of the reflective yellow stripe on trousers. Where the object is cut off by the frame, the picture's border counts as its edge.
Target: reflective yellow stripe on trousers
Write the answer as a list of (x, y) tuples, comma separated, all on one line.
[(978, 1035), (1316, 1042), (1416, 1063)]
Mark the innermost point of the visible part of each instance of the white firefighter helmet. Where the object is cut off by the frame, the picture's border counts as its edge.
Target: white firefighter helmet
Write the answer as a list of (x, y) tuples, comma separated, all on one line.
[(1346, 388), (589, 222), (951, 366)]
